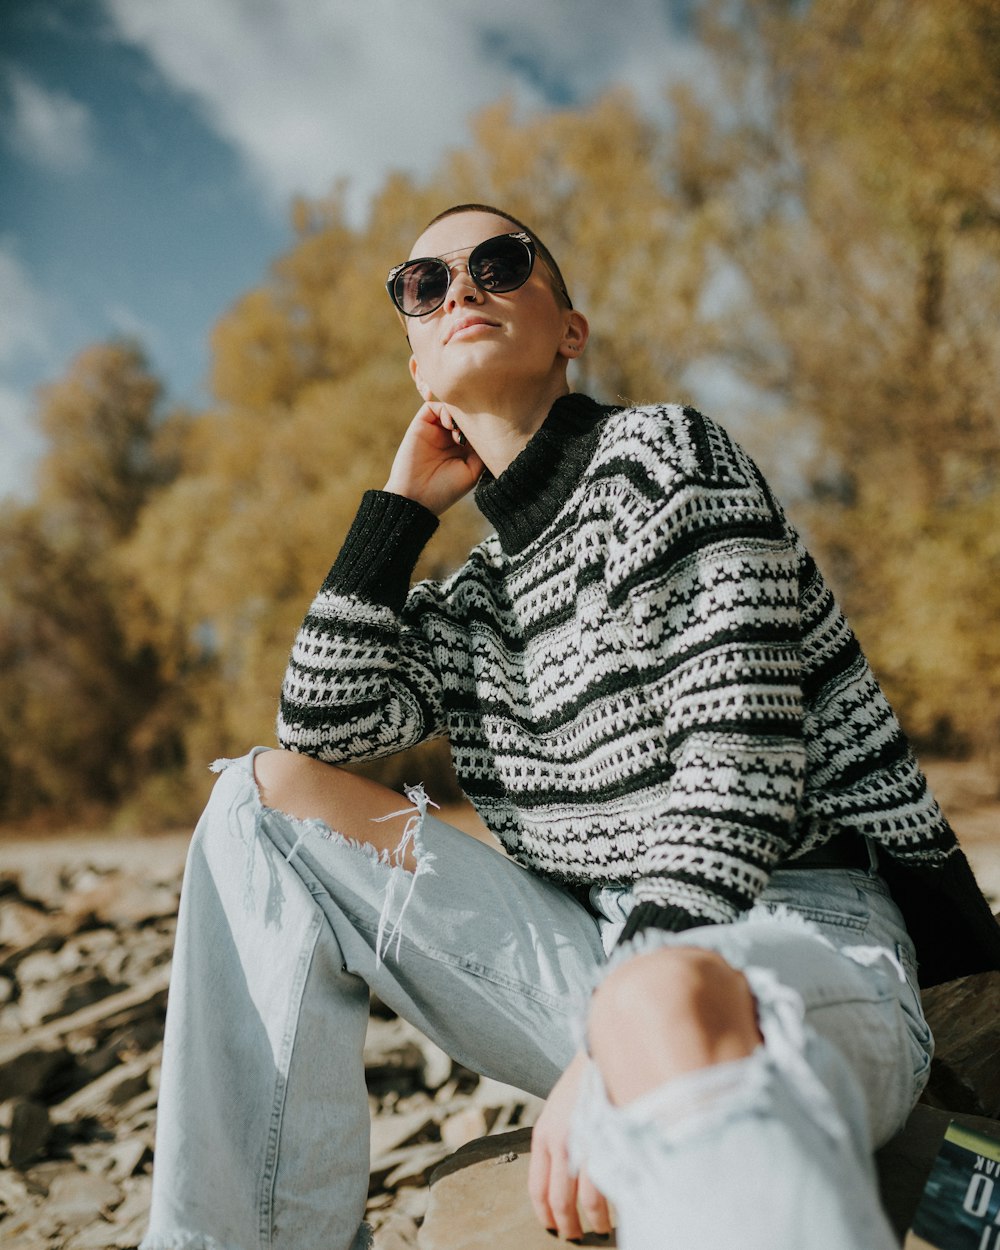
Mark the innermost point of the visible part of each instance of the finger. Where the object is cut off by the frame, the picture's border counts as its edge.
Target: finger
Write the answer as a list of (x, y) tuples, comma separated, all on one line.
[(538, 1182), (441, 415), (563, 1198), (593, 1204), (433, 428)]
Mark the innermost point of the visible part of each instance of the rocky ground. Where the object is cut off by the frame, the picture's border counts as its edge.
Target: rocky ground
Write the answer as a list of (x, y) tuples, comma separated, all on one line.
[(86, 932)]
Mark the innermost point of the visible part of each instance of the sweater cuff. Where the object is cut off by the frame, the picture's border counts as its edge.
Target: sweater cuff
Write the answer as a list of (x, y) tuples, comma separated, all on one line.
[(656, 916), (381, 549)]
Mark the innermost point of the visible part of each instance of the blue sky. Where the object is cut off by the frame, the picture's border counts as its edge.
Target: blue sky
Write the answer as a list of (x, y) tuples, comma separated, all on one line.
[(150, 149)]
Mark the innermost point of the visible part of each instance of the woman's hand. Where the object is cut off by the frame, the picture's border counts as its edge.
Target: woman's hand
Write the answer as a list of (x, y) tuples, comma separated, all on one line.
[(434, 465), (557, 1197)]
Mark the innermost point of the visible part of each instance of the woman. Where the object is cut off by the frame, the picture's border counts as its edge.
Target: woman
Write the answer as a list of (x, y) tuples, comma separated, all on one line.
[(656, 706)]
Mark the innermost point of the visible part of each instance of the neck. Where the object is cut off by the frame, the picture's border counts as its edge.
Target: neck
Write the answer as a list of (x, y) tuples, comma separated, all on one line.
[(500, 431)]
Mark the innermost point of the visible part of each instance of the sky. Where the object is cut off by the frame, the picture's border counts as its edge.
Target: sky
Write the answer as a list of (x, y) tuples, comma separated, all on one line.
[(150, 149)]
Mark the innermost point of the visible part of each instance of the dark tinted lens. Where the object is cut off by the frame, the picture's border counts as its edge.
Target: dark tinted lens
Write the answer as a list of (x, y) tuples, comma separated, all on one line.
[(421, 287), (501, 264)]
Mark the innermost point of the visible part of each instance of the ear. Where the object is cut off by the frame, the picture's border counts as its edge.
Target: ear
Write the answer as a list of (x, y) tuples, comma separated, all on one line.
[(576, 331), (418, 381)]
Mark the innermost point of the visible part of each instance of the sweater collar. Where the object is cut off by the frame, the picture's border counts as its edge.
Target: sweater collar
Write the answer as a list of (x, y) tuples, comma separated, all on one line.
[(529, 493)]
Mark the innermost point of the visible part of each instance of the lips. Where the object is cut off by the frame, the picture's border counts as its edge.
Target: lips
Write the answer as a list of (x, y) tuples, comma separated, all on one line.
[(466, 322)]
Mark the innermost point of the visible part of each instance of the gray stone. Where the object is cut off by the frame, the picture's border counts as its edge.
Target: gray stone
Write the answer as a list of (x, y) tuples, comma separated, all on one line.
[(115, 1011), (416, 1165), (26, 1072), (22, 925), (118, 1086), (120, 900), (397, 1232), (61, 997), (77, 1198), (40, 967), (391, 1051), (122, 1158), (28, 1128), (122, 1228), (390, 1132)]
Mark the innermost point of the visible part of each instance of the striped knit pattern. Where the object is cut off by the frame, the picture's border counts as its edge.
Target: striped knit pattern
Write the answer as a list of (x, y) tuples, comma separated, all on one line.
[(642, 674)]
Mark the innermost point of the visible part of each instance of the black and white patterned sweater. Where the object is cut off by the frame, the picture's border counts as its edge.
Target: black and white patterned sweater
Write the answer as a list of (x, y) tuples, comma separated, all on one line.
[(642, 675)]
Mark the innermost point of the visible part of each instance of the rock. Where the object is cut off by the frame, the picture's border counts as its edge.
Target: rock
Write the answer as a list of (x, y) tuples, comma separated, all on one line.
[(120, 1229), (42, 884), (28, 1127), (416, 1165), (398, 1232), (122, 1158), (47, 1041), (389, 1132), (120, 900), (14, 1195), (40, 967), (77, 1198), (464, 1126), (52, 999), (21, 925), (27, 1070), (964, 1016), (479, 1200), (391, 1051), (437, 1063), (114, 1088)]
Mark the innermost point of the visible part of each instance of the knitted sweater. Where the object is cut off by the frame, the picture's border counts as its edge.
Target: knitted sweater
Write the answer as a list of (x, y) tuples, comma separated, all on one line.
[(642, 675)]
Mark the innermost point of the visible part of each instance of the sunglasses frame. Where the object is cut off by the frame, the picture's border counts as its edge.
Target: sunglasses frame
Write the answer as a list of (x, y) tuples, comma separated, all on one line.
[(522, 237)]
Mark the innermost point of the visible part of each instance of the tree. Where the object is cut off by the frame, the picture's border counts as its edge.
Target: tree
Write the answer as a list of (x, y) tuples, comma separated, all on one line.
[(80, 721), (876, 272)]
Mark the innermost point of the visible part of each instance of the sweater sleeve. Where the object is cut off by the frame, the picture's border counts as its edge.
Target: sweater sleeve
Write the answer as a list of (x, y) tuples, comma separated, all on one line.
[(361, 682), (706, 584)]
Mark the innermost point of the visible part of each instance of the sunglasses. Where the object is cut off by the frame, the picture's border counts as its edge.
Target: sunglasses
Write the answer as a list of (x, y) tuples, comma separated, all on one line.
[(503, 263)]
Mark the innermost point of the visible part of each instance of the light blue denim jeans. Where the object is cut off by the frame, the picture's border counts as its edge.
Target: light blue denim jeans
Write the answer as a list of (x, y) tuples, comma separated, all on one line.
[(263, 1125)]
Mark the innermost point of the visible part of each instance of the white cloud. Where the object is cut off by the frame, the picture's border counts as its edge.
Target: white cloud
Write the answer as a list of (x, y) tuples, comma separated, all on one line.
[(22, 443), (48, 127), (27, 332), (313, 90), (126, 322), (26, 312)]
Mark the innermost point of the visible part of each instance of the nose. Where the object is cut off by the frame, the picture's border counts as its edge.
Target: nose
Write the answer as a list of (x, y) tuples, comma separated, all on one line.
[(461, 289)]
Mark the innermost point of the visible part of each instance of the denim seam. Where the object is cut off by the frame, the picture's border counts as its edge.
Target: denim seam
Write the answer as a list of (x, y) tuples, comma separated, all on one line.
[(371, 929), (481, 971), (819, 915), (270, 1169)]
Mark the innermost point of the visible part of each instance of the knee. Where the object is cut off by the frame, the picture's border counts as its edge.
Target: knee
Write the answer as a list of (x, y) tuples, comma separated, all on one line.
[(667, 1012), (681, 982)]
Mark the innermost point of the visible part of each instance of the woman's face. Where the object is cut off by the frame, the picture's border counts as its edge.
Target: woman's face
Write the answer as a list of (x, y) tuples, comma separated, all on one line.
[(480, 344)]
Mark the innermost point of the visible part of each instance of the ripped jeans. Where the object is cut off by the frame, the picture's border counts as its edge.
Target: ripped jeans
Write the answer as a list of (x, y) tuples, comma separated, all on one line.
[(263, 1124)]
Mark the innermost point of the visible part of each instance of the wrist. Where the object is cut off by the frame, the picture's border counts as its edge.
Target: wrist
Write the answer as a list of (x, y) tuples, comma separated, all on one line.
[(393, 487)]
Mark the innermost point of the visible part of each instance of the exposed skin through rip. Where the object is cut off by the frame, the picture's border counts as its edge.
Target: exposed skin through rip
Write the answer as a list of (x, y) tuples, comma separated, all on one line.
[(307, 789)]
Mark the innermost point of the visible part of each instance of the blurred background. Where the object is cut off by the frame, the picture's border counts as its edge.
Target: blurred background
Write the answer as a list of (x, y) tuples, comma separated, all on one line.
[(786, 213)]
